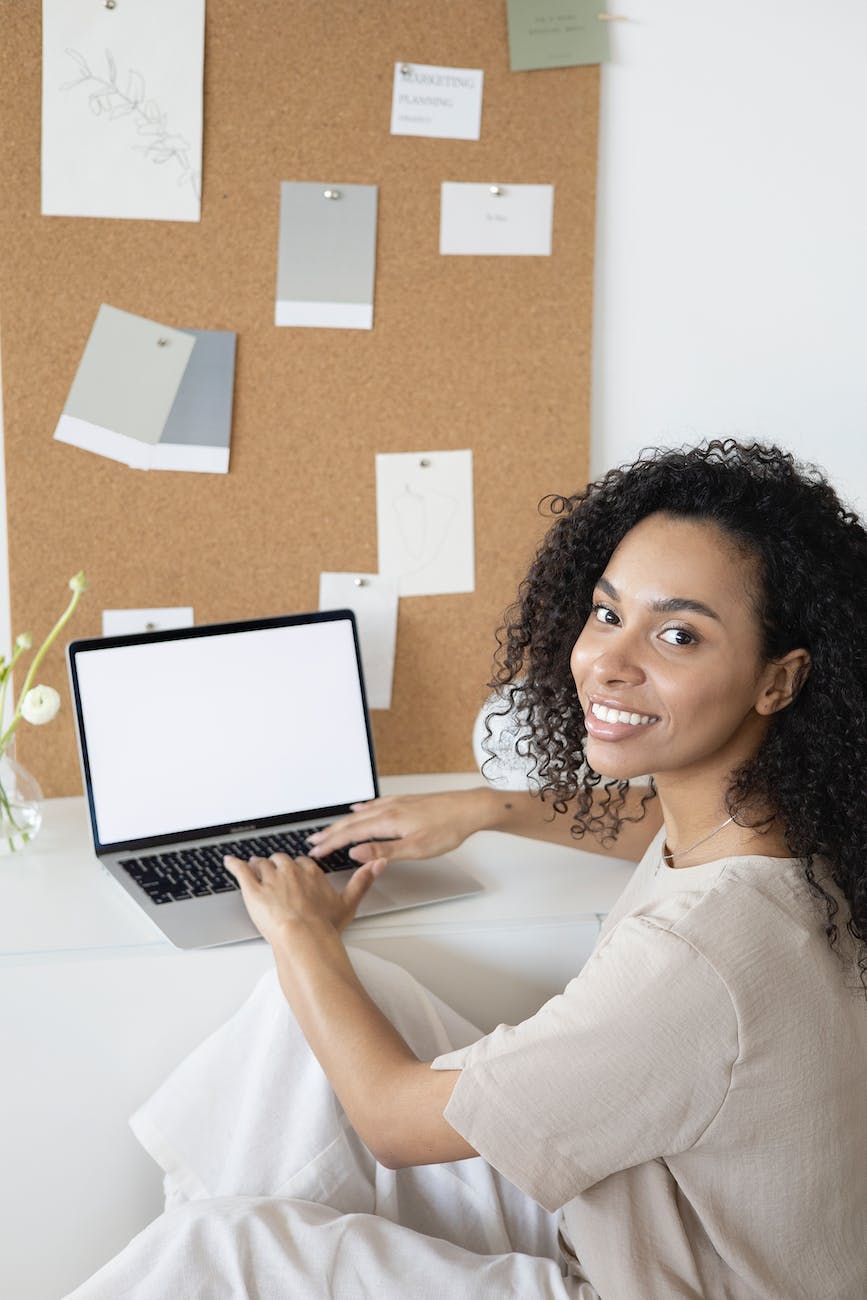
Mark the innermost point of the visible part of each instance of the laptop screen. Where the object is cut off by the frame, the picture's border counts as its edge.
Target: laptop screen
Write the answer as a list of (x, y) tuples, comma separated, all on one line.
[(215, 727)]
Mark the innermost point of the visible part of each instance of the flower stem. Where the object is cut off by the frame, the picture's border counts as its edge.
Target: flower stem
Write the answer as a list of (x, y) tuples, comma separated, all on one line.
[(40, 655), (7, 673)]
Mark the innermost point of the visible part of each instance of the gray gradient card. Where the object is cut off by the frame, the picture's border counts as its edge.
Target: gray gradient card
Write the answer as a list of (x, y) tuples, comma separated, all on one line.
[(199, 426), (556, 33), (327, 255), (126, 383)]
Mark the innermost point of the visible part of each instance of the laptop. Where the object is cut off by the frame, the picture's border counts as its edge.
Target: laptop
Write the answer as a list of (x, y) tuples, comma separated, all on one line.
[(229, 738)]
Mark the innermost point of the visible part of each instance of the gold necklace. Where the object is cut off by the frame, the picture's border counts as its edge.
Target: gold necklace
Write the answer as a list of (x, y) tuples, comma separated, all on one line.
[(669, 857)]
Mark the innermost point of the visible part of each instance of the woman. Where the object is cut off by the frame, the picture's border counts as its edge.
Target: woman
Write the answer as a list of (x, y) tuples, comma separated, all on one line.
[(688, 1118)]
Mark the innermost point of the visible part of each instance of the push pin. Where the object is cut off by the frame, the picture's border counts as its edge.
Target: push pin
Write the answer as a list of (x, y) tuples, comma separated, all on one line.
[(149, 627), (405, 69), (111, 4), (497, 190), (360, 582), (425, 463), (331, 194), (162, 343)]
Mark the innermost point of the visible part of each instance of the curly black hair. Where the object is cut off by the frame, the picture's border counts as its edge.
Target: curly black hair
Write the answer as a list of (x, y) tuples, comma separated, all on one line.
[(811, 554)]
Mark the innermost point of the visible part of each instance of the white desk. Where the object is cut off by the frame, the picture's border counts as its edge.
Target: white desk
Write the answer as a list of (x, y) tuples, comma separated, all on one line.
[(96, 1007)]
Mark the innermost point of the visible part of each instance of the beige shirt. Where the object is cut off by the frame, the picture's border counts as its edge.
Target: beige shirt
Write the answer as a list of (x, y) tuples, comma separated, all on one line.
[(696, 1099)]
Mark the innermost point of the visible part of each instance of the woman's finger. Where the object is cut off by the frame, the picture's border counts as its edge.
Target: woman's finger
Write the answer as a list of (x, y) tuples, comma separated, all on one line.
[(243, 871), (371, 850), (359, 885)]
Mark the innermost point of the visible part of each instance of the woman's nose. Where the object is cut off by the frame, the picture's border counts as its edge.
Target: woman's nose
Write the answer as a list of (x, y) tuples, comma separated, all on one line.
[(615, 666)]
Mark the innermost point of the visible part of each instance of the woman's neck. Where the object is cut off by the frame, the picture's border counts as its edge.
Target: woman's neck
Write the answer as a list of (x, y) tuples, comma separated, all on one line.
[(701, 830)]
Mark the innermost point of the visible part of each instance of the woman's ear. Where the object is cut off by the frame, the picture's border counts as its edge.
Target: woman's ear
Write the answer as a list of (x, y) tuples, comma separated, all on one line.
[(782, 681)]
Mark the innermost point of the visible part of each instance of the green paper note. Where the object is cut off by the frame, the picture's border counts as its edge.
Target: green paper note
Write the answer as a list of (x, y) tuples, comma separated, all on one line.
[(556, 33)]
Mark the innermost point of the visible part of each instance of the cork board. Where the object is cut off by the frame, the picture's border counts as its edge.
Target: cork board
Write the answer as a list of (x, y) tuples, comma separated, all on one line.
[(490, 353)]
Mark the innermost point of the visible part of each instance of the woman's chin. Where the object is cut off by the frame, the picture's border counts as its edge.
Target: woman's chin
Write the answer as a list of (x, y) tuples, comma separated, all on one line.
[(612, 760)]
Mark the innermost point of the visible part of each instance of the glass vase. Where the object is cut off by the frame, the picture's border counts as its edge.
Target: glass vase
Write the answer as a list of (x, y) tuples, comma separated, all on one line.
[(20, 805)]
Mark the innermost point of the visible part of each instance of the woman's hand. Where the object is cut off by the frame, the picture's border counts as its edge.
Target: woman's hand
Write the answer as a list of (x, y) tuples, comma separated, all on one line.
[(407, 826), (282, 892)]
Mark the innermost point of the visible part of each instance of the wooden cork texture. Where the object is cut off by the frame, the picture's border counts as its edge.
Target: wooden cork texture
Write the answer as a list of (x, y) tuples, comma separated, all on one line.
[(487, 353)]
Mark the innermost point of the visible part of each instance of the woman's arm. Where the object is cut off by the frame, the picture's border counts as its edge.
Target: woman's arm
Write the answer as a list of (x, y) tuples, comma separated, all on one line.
[(394, 1101), (426, 825)]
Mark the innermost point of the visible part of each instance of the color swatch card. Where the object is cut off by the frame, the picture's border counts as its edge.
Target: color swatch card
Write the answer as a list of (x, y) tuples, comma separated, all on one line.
[(152, 397), (491, 220), (424, 518), (326, 257), (373, 600), (122, 108), (556, 33), (442, 102), (199, 425)]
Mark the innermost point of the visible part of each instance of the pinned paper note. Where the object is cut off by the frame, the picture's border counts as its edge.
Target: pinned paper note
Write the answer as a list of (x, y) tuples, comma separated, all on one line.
[(373, 600), (152, 397), (120, 622), (327, 255), (424, 515), (556, 33), (496, 219), (125, 386), (122, 109), (433, 101)]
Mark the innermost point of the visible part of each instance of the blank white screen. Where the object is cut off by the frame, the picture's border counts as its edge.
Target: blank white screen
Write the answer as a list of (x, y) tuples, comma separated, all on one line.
[(223, 729)]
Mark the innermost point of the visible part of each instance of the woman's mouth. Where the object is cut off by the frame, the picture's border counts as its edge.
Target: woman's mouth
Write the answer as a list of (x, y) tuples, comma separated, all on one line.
[(606, 723)]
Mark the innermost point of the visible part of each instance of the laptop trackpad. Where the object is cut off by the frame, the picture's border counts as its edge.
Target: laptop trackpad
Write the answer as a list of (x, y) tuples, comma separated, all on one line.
[(414, 884)]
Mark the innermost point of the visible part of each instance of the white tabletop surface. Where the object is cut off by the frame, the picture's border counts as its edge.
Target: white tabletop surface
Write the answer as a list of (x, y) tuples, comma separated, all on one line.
[(56, 899)]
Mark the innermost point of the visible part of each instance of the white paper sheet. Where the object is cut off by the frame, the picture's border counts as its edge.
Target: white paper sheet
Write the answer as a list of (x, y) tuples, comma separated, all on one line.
[(516, 221), (445, 103), (424, 516), (373, 600), (122, 108), (118, 622)]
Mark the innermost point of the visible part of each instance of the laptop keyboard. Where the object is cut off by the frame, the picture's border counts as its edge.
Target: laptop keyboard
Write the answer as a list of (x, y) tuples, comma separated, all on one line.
[(190, 873)]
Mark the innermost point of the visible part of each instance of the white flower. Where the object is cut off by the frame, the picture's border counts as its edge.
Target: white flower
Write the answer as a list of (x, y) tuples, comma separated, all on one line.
[(40, 705)]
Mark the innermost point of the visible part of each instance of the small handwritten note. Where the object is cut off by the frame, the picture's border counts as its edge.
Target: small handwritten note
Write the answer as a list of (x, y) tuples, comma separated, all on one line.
[(503, 220), (441, 102), (556, 34)]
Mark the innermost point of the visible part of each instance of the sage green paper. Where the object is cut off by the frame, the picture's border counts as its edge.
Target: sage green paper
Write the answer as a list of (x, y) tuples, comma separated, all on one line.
[(556, 33)]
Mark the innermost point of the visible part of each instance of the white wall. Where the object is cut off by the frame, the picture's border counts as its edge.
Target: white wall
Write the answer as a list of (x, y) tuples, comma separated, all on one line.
[(731, 269)]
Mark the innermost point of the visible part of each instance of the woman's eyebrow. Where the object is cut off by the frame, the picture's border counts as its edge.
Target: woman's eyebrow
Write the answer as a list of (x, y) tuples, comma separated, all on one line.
[(670, 605)]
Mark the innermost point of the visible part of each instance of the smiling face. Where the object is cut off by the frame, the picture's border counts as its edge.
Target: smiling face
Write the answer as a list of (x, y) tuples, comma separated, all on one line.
[(668, 667)]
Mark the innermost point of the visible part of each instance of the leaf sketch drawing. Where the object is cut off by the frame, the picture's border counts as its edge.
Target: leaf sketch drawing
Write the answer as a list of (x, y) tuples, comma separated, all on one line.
[(424, 523), (107, 99)]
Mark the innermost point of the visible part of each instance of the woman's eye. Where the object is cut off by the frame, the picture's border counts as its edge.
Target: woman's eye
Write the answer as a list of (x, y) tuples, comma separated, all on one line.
[(679, 636), (604, 614)]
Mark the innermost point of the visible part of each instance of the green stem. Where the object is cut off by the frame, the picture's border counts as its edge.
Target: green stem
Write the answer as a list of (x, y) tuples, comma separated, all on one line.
[(10, 824), (16, 655), (40, 655)]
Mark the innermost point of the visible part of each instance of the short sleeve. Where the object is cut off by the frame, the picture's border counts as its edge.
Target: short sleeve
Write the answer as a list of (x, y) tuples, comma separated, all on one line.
[(629, 1064)]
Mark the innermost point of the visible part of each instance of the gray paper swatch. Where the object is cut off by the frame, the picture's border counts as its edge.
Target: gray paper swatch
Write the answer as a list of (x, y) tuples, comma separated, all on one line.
[(127, 380), (199, 425), (327, 255)]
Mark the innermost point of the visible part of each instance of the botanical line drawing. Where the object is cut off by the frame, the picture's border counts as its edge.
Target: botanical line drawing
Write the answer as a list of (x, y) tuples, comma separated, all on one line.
[(109, 101), (424, 522)]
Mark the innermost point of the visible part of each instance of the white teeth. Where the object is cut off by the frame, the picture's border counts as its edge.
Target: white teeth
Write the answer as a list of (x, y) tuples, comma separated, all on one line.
[(618, 715)]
